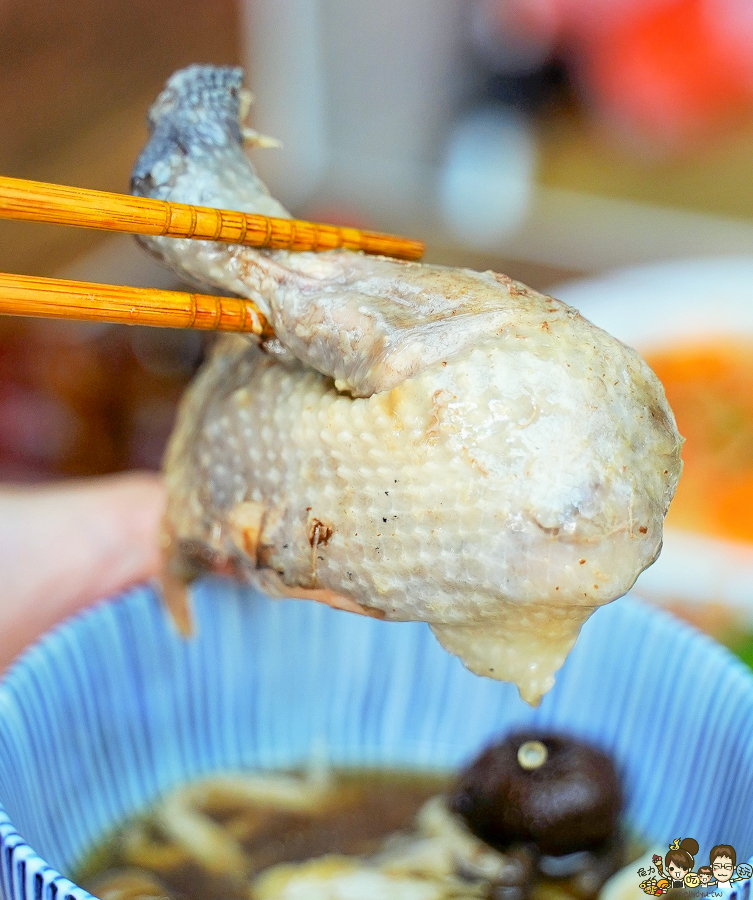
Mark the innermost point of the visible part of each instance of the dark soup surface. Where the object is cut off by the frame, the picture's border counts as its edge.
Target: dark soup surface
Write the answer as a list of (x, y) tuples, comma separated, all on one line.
[(368, 835)]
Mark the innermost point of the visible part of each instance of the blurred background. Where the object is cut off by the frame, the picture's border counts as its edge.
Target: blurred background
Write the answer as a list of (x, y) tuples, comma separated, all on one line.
[(554, 140)]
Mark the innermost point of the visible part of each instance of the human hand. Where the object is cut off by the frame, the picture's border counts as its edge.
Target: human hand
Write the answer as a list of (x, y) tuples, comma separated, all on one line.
[(63, 546)]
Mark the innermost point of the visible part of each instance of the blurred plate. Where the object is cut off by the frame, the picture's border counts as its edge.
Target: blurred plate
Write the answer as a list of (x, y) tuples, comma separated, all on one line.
[(658, 307)]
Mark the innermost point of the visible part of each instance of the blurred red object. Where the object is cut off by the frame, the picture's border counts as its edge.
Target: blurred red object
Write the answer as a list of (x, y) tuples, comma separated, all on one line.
[(671, 72), (88, 400)]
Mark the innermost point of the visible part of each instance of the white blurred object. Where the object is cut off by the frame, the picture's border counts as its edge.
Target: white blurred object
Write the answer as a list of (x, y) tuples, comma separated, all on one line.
[(365, 96), (285, 72), (341, 80), (661, 306), (487, 179)]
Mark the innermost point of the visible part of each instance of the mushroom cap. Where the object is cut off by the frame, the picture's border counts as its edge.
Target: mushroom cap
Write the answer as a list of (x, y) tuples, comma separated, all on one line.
[(568, 803)]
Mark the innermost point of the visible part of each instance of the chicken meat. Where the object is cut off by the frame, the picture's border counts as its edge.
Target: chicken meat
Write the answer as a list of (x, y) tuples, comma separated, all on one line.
[(415, 442)]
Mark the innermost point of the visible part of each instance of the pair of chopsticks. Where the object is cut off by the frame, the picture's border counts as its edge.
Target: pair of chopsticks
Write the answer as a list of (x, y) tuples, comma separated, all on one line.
[(36, 201)]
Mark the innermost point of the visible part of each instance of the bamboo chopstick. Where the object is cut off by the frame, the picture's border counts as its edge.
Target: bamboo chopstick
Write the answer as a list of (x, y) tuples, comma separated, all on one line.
[(56, 298), (37, 201)]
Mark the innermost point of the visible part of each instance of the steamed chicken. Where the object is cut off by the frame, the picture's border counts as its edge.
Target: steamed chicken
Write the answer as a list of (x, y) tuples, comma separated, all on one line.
[(417, 442)]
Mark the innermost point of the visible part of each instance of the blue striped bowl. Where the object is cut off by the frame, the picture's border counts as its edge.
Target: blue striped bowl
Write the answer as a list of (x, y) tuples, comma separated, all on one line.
[(112, 709)]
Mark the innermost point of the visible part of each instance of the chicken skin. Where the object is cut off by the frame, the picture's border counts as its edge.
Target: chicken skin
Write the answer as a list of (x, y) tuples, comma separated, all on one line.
[(416, 442)]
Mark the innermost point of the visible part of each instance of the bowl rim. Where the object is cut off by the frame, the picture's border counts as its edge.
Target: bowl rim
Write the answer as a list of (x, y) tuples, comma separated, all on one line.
[(19, 862)]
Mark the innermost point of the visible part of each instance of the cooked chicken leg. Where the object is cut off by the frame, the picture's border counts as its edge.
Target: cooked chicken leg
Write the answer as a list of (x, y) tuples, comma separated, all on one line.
[(418, 442)]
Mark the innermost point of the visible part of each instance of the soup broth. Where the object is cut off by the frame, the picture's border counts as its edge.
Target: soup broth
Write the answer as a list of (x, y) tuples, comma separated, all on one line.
[(208, 841), (349, 835)]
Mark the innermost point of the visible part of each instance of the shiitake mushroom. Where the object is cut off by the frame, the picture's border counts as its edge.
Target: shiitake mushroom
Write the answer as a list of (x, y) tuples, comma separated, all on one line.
[(554, 792)]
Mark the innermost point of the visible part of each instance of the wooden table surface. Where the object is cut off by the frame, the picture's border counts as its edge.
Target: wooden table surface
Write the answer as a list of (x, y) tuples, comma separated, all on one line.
[(76, 80)]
